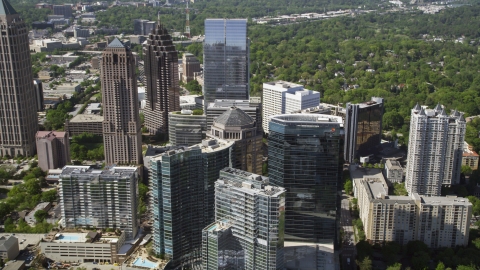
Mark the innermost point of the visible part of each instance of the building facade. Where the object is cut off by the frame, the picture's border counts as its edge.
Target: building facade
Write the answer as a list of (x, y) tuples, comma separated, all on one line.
[(102, 199), (121, 125), (65, 10), (436, 221), (252, 107), (182, 184), (161, 73), (39, 95), (393, 171), (255, 213), (81, 123), (363, 128), (18, 113), (143, 27), (469, 157), (185, 128), (225, 60), (304, 158), (280, 97), (53, 149), (191, 65), (435, 148), (237, 126)]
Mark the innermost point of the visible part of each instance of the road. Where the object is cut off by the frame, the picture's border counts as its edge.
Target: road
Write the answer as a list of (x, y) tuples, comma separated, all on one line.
[(348, 241), (77, 108)]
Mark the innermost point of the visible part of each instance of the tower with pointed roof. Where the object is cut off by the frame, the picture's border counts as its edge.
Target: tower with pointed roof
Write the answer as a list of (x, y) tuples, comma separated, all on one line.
[(18, 118), (121, 126), (434, 150), (235, 125), (161, 71)]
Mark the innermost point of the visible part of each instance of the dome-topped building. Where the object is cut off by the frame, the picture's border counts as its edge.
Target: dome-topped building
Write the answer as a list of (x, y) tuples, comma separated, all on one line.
[(235, 125)]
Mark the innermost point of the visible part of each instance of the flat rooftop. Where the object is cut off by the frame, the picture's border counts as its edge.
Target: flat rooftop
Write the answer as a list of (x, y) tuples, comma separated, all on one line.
[(307, 119), (115, 170), (81, 118), (84, 237)]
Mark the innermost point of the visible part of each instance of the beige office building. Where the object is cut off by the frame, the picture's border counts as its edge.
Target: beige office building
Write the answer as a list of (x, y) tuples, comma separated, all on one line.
[(121, 125), (436, 221), (53, 149), (237, 126), (18, 113), (81, 123)]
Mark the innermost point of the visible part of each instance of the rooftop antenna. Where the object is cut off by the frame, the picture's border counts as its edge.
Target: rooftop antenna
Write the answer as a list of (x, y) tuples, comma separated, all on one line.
[(158, 17)]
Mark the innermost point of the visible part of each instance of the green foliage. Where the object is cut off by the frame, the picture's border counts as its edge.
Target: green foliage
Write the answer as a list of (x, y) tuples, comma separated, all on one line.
[(55, 119), (392, 120), (197, 50), (142, 118), (440, 266), (193, 87), (348, 186), (364, 250), (197, 112), (40, 215), (390, 251), (466, 170), (77, 61), (475, 204), (49, 196), (399, 189), (396, 266), (365, 264), (87, 146), (29, 13), (57, 70)]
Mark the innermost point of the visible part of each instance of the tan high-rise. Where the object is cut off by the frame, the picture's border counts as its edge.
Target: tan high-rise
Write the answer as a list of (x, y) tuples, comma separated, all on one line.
[(161, 71), (121, 124), (18, 113)]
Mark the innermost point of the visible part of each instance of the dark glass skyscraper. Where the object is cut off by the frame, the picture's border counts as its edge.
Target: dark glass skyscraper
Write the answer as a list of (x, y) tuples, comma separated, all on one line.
[(304, 158), (363, 128), (225, 60), (161, 72)]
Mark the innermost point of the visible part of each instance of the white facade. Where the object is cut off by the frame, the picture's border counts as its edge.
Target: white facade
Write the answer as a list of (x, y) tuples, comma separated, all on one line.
[(8, 247), (393, 171), (434, 150), (274, 99), (436, 221), (301, 100)]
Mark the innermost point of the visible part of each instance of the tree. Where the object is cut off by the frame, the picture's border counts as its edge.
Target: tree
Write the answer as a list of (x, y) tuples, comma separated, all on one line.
[(399, 189), (49, 196), (392, 120), (440, 266), (466, 170), (396, 266), (365, 264), (40, 215), (420, 260), (348, 186), (32, 187)]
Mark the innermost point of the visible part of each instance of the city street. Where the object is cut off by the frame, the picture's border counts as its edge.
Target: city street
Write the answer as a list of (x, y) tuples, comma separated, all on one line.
[(348, 241)]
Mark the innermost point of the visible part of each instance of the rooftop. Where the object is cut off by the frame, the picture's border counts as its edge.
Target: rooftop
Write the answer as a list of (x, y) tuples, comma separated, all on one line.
[(281, 85), (50, 135), (116, 43), (80, 118), (83, 237), (393, 165), (307, 119), (248, 182), (114, 170), (234, 117)]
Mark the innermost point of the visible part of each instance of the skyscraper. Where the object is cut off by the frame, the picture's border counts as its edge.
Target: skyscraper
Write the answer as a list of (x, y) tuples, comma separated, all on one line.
[(18, 113), (237, 126), (254, 211), (304, 158), (102, 199), (363, 128), (225, 60), (121, 126), (182, 184), (435, 148), (161, 72)]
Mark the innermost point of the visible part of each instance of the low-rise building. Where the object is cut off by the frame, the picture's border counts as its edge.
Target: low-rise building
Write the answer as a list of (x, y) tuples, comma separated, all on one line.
[(190, 65), (94, 108), (87, 247), (436, 221), (469, 156), (90, 123), (8, 247), (393, 171)]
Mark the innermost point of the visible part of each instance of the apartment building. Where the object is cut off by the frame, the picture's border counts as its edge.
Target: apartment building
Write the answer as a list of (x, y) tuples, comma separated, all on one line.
[(186, 128), (393, 171), (469, 157)]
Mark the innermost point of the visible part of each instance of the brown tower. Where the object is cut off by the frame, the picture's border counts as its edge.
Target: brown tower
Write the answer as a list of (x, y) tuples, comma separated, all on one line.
[(18, 115), (121, 124), (161, 71)]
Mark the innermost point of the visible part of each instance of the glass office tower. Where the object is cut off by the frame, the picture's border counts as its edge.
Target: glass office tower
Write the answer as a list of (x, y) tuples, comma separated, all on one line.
[(304, 158), (225, 60)]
